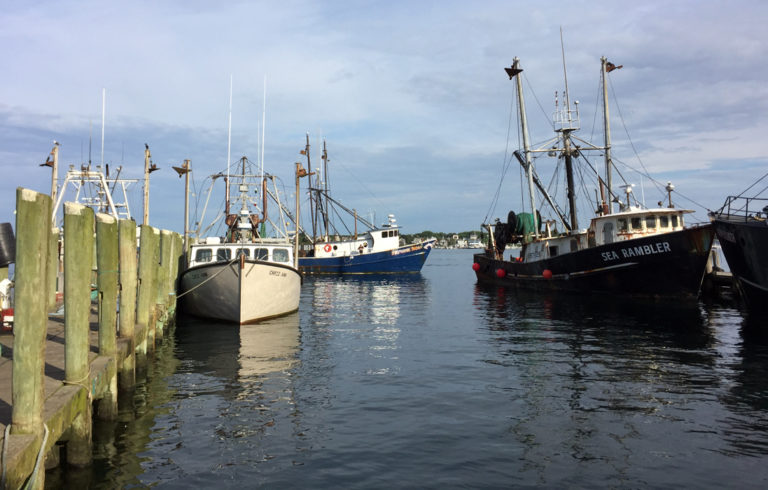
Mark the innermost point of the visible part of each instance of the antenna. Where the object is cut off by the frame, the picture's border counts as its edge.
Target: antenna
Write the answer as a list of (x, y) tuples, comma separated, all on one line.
[(90, 141), (229, 128), (565, 76), (103, 114)]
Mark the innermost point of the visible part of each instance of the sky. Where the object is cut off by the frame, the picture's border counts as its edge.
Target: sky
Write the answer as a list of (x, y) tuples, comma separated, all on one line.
[(409, 96)]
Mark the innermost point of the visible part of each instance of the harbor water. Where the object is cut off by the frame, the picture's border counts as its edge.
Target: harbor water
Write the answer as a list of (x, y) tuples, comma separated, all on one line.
[(430, 381)]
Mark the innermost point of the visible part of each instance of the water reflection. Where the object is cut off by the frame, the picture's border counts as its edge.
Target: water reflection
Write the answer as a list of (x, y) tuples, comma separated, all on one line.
[(613, 377), (364, 313), (266, 348)]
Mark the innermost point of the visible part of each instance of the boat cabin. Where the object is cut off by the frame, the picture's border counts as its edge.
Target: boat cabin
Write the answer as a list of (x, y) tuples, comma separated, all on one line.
[(610, 228), (380, 239), (635, 223), (212, 250)]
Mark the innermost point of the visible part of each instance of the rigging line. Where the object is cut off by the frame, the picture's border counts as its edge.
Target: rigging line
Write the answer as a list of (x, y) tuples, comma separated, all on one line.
[(208, 279), (520, 169), (629, 138), (754, 184), (583, 186), (657, 183), (598, 103), (358, 180), (546, 116), (505, 163), (745, 206)]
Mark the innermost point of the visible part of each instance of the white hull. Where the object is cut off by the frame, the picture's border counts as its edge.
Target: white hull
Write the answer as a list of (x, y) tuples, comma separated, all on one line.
[(241, 291)]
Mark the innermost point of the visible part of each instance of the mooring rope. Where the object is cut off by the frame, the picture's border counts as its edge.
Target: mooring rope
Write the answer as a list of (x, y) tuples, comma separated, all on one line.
[(5, 450), (31, 481), (222, 270), (33, 476)]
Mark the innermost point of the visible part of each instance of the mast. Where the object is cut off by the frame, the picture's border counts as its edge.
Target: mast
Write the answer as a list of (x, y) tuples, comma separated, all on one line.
[(514, 72), (568, 152), (54, 170), (229, 148), (608, 162), (263, 123), (147, 171), (186, 206), (312, 197), (326, 217)]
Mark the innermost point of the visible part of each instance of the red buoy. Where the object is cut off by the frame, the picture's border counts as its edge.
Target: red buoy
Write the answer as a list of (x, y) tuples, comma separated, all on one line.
[(475, 266), (500, 273), (547, 274)]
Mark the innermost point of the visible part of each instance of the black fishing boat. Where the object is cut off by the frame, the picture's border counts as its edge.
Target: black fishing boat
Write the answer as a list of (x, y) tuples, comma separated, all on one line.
[(741, 226), (635, 251)]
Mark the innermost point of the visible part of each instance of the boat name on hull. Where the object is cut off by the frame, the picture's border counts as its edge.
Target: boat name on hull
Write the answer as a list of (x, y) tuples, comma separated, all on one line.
[(656, 248)]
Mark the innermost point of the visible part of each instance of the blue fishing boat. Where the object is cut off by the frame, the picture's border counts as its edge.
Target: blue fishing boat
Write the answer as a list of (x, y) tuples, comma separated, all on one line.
[(337, 248)]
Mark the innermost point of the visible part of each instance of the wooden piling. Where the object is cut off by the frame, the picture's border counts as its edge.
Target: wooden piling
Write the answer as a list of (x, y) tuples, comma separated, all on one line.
[(53, 268), (107, 257), (176, 265), (78, 243), (78, 254), (33, 227), (148, 261), (127, 286), (54, 385)]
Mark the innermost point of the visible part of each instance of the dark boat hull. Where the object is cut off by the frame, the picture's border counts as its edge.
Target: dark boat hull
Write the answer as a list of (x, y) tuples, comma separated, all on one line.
[(744, 242), (668, 266)]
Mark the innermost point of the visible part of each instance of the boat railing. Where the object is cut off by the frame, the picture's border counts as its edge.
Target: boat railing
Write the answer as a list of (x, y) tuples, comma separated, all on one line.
[(744, 207), (566, 119)]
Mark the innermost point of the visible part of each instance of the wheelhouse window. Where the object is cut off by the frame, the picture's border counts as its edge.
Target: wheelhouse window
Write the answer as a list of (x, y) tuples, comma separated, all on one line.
[(637, 223), (395, 233), (663, 221), (674, 221), (608, 231), (243, 251), (650, 221), (223, 254), (553, 251), (203, 255), (622, 224), (574, 245), (281, 255), (261, 254)]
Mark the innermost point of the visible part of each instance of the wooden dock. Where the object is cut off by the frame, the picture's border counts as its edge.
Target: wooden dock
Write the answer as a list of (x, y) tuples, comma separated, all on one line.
[(73, 345)]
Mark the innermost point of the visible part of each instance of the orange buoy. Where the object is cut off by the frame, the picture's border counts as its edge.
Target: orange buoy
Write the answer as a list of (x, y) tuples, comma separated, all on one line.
[(475, 266), (500, 273), (547, 274)]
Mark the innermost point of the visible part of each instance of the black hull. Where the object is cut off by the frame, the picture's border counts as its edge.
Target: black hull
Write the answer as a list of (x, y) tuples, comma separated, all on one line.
[(744, 242), (669, 266)]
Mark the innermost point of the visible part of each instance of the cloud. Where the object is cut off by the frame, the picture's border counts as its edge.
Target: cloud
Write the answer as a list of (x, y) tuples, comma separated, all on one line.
[(410, 97)]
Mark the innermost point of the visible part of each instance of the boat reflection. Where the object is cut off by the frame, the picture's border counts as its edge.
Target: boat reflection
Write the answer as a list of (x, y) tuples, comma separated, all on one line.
[(365, 315), (374, 298), (269, 347)]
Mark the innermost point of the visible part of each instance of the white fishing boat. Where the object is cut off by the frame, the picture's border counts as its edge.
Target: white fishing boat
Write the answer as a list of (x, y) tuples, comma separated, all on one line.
[(249, 274)]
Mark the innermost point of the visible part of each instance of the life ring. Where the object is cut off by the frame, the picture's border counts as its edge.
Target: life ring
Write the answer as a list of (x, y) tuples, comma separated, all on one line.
[(327, 247)]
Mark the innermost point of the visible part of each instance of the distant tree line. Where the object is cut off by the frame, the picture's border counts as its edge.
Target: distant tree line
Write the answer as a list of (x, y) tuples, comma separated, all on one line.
[(450, 237)]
